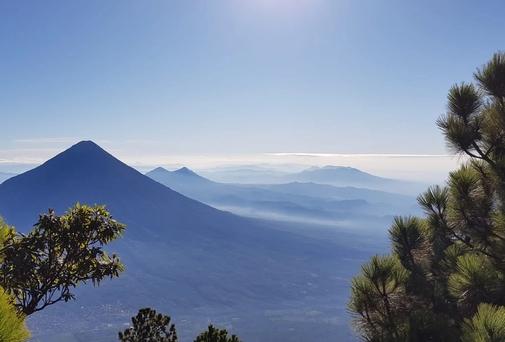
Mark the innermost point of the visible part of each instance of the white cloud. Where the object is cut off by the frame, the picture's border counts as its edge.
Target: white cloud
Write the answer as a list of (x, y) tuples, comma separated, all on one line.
[(145, 154)]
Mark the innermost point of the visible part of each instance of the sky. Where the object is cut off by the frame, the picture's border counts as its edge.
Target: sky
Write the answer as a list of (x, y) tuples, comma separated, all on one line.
[(204, 82)]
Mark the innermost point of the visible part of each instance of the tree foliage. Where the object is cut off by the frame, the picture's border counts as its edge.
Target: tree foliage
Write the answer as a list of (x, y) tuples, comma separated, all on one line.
[(213, 334), (61, 252), (445, 277), (487, 325), (12, 323), (149, 326)]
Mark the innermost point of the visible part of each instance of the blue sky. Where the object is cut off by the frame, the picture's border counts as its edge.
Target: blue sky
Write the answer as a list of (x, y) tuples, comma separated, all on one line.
[(232, 77)]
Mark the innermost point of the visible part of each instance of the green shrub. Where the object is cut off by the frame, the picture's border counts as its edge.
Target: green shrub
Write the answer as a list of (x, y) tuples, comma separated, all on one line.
[(12, 324)]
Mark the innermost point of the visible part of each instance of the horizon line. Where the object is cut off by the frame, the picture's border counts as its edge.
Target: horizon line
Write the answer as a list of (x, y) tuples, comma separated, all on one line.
[(345, 155)]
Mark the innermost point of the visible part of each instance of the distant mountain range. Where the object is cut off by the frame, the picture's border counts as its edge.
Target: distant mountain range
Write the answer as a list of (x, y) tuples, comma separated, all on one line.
[(348, 176), (180, 176), (331, 175), (268, 281), (291, 201), (245, 174)]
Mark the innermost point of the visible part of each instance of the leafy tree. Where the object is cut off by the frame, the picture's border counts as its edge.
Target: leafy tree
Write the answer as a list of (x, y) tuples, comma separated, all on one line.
[(61, 252), (216, 335), (149, 326), (445, 277), (12, 323)]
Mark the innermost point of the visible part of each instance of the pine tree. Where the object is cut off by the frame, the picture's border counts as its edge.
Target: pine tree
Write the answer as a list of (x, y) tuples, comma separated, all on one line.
[(445, 277), (149, 326), (213, 334), (487, 325)]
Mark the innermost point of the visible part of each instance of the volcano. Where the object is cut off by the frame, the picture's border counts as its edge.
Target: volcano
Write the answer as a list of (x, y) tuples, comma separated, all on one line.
[(182, 257)]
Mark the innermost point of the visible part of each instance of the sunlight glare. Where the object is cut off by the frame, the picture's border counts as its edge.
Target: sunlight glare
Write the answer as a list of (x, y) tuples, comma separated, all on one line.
[(279, 7)]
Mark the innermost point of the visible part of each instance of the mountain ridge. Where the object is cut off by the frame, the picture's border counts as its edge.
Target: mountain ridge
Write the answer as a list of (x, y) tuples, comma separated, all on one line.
[(181, 256), (87, 172), (298, 201)]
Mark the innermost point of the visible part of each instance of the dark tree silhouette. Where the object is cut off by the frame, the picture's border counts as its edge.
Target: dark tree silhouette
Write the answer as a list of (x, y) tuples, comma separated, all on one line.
[(61, 252), (213, 334), (149, 326), (445, 277)]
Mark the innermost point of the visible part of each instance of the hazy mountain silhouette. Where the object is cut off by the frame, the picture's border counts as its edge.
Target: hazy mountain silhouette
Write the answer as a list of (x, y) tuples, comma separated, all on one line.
[(340, 176), (340, 192), (180, 176), (246, 174), (292, 201), (88, 174), (344, 174), (349, 176), (186, 258)]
